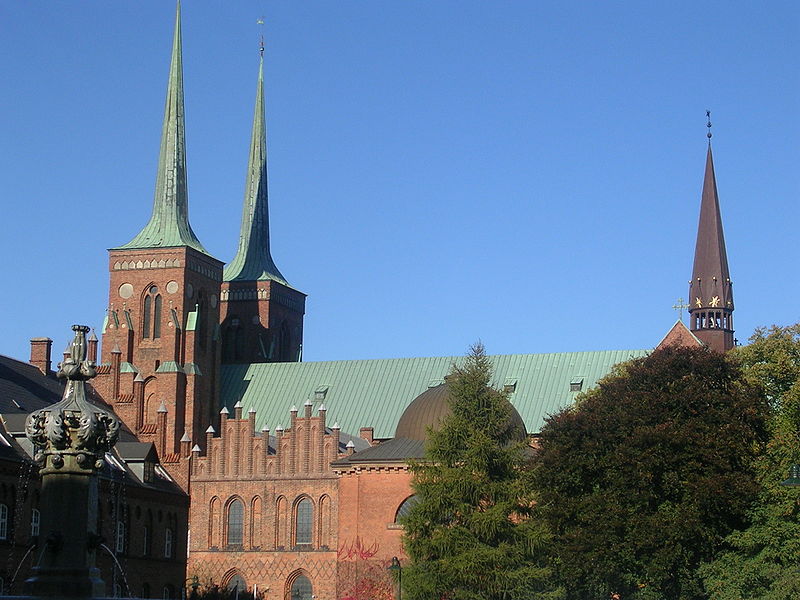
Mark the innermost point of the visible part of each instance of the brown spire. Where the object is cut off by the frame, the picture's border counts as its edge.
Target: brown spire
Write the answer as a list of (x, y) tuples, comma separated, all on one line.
[(710, 289)]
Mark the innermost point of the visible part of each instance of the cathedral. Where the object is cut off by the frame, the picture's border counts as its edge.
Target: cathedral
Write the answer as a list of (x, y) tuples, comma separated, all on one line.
[(295, 474)]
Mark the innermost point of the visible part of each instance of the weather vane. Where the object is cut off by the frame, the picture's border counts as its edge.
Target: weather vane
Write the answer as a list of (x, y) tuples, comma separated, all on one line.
[(260, 21), (708, 124)]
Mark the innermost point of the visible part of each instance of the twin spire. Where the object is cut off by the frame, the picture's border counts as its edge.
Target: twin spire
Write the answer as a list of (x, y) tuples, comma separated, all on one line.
[(169, 223), (253, 261)]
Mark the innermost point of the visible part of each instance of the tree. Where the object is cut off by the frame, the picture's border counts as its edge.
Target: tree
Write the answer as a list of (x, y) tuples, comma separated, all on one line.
[(641, 480), (470, 535), (763, 560)]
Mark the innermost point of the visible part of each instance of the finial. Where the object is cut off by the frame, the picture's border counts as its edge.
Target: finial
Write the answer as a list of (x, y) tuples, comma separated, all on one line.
[(708, 124), (261, 36)]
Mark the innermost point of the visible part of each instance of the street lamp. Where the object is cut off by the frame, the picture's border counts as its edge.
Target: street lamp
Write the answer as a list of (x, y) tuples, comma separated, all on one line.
[(794, 477), (397, 571)]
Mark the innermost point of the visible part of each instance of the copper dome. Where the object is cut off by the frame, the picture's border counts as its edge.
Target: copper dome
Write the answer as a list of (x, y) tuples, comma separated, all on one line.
[(430, 408)]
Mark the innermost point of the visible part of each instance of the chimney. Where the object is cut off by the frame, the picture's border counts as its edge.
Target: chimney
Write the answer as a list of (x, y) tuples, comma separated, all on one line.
[(366, 433), (40, 354)]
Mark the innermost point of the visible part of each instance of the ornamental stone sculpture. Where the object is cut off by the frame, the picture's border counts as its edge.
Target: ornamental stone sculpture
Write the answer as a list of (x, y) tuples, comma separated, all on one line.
[(70, 439)]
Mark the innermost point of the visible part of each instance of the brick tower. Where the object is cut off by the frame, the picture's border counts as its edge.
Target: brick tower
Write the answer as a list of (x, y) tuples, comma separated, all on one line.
[(262, 315), (160, 340), (711, 289)]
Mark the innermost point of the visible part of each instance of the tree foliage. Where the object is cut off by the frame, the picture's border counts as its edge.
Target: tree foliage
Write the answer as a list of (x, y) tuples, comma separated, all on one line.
[(642, 479), (469, 536), (763, 560)]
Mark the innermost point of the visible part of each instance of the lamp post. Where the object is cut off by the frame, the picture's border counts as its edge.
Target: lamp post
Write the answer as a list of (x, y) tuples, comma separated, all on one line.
[(794, 477), (397, 570)]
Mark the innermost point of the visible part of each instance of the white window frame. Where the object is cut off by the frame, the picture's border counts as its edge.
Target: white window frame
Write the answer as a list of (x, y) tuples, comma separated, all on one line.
[(3, 522), (120, 545), (168, 543), (36, 520)]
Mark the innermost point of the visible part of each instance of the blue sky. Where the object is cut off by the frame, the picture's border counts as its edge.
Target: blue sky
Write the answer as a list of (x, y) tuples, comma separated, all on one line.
[(526, 173)]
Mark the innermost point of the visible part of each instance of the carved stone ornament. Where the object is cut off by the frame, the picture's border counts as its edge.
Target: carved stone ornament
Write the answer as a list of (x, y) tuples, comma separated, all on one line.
[(73, 431)]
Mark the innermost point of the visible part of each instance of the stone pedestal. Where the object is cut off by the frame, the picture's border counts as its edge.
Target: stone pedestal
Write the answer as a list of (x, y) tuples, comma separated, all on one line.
[(71, 439)]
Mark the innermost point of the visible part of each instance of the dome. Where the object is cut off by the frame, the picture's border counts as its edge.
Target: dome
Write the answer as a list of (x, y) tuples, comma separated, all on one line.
[(431, 407)]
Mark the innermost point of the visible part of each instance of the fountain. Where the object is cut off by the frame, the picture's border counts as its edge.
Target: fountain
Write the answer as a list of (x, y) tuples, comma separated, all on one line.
[(71, 439)]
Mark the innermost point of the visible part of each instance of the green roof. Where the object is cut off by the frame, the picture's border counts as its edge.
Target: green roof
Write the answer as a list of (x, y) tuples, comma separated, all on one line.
[(169, 224), (253, 261), (374, 393)]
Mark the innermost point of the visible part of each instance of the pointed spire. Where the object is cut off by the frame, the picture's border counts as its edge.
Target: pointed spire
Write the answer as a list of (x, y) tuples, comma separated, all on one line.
[(253, 261), (169, 224), (710, 289)]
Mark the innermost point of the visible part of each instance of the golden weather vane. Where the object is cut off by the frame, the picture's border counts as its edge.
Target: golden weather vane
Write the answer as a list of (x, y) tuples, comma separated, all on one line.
[(260, 22)]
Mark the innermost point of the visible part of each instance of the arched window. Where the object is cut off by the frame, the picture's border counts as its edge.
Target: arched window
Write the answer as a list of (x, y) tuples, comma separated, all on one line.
[(284, 343), (119, 547), (235, 521), (200, 325), (146, 540), (157, 316), (168, 542), (237, 583), (301, 589), (303, 521), (213, 523), (255, 521), (405, 507), (3, 522), (324, 521), (151, 313), (166, 592), (280, 522), (36, 519), (232, 340)]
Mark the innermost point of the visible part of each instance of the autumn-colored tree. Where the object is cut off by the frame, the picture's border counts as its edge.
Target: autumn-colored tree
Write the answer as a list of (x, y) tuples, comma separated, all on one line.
[(470, 535), (642, 479)]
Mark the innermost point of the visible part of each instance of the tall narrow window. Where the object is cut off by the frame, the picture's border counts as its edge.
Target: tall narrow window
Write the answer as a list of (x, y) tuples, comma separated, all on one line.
[(157, 316), (146, 540), (36, 518), (120, 545), (284, 343), (235, 519), (303, 522), (3, 522), (151, 313), (168, 543), (146, 316)]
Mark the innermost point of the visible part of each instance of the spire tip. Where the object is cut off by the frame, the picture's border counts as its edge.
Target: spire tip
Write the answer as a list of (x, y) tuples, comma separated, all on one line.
[(708, 124)]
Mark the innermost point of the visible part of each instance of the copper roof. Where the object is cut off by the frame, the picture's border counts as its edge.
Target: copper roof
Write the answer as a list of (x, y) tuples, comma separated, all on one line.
[(428, 410)]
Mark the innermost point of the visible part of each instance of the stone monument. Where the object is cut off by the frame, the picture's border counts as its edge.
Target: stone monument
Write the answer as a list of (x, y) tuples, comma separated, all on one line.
[(70, 439)]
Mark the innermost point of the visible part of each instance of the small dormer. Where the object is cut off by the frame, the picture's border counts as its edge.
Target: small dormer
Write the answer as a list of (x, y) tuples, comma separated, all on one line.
[(141, 458)]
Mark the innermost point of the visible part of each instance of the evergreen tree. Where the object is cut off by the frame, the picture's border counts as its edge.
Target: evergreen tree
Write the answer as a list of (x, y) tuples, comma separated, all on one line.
[(763, 560), (645, 476), (470, 535)]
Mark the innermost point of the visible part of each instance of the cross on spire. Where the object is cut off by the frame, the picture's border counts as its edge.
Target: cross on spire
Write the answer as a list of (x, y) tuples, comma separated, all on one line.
[(679, 306)]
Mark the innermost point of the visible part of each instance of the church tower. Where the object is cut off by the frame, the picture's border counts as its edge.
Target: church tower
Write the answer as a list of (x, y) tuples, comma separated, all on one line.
[(160, 338), (711, 289), (262, 315)]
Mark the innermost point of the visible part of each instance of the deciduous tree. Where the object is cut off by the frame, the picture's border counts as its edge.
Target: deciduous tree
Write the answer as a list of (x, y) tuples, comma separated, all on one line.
[(645, 476), (763, 560)]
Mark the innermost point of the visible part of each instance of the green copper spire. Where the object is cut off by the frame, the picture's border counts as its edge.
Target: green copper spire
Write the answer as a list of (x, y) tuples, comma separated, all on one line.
[(169, 223), (253, 261)]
